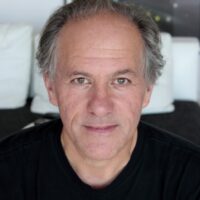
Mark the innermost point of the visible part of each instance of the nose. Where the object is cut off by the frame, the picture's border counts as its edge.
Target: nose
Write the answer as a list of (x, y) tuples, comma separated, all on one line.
[(100, 102)]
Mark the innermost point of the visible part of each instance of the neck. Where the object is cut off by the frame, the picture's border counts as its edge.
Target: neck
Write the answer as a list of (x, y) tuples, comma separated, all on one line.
[(97, 173)]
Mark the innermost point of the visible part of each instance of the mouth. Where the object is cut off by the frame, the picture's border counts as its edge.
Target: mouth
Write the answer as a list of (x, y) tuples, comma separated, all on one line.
[(100, 129)]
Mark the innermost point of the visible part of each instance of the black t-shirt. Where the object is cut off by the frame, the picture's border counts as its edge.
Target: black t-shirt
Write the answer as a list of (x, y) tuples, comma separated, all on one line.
[(33, 166)]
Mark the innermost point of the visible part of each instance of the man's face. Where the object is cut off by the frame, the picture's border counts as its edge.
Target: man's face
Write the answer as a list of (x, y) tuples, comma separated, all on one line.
[(99, 85)]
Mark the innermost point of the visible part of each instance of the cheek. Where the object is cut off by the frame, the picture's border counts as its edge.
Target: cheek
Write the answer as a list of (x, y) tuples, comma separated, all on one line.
[(130, 107), (71, 103), (132, 111), (132, 101)]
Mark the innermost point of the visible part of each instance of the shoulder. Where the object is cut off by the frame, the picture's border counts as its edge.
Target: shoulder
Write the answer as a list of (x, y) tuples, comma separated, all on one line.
[(175, 159), (170, 142), (21, 156), (27, 138)]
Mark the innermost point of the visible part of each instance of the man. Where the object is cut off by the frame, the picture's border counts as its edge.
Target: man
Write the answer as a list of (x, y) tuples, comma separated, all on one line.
[(99, 60)]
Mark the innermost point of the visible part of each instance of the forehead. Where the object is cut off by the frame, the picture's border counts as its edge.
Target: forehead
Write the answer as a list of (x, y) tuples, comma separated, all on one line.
[(103, 36)]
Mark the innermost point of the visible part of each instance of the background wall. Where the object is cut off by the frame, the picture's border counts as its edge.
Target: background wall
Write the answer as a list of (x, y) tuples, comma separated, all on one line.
[(178, 17), (33, 12)]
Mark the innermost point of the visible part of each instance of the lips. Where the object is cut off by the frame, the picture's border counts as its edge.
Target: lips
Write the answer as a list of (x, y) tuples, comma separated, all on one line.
[(100, 129)]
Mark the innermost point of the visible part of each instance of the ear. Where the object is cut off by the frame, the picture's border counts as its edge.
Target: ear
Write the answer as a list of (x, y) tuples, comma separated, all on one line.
[(50, 86), (147, 95)]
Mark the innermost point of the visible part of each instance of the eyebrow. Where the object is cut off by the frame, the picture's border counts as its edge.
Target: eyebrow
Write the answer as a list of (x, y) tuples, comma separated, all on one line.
[(76, 73), (117, 73), (125, 71)]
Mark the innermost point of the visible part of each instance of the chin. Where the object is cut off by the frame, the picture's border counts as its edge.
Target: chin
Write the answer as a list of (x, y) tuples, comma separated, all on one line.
[(100, 152)]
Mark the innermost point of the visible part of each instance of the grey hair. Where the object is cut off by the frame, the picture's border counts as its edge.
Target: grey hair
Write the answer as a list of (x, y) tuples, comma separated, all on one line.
[(80, 9)]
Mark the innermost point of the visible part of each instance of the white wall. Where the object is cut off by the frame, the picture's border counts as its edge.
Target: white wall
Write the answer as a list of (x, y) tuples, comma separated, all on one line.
[(33, 12)]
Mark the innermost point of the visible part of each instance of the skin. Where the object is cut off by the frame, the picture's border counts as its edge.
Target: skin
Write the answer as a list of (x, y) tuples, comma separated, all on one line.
[(100, 90)]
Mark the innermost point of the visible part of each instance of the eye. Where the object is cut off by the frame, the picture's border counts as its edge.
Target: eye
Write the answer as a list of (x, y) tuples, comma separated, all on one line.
[(122, 81), (81, 81)]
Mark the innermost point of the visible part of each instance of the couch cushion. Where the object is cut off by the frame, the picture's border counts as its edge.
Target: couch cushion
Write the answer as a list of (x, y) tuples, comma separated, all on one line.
[(186, 73), (162, 96), (15, 64), (40, 103)]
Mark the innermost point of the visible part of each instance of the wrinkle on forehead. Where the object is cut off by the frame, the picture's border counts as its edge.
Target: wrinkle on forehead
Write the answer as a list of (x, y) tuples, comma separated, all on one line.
[(101, 53), (100, 37), (100, 31)]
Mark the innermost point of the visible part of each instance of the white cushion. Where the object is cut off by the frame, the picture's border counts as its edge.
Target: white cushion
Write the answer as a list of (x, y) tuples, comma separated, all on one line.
[(162, 96), (40, 103), (15, 64), (186, 73)]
